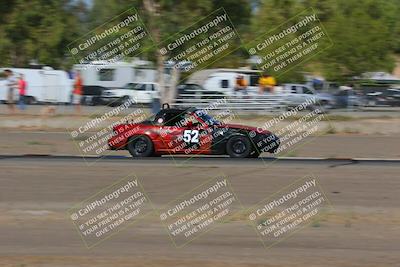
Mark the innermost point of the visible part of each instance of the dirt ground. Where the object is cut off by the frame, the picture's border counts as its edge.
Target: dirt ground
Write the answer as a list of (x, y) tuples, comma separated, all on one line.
[(362, 229)]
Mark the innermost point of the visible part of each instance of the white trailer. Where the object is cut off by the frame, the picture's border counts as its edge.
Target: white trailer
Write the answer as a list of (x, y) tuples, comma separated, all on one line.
[(44, 85), (118, 74), (224, 80)]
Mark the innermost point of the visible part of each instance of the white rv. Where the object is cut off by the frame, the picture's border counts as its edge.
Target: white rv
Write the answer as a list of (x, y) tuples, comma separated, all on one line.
[(224, 80), (117, 74), (43, 85)]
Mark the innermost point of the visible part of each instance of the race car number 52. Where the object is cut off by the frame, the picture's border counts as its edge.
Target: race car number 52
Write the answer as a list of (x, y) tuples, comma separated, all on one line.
[(191, 136)]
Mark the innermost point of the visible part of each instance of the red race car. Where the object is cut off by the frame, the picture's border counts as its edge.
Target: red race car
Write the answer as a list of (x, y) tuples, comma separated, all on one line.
[(190, 131)]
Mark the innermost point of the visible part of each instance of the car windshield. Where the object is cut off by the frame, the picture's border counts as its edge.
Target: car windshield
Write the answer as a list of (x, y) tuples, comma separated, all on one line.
[(207, 118), (130, 86)]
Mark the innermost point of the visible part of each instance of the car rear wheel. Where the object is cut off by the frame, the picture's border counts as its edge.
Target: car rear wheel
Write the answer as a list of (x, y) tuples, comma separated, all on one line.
[(140, 146), (238, 147)]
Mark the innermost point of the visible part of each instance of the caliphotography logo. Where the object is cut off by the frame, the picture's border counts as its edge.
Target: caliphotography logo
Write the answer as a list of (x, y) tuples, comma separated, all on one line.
[(200, 210), (110, 211), (289, 210)]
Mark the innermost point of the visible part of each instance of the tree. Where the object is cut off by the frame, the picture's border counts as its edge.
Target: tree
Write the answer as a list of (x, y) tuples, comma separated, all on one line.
[(365, 33), (362, 40), (37, 30)]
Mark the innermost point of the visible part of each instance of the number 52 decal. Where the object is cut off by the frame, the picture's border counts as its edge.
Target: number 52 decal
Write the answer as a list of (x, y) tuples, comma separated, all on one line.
[(191, 136)]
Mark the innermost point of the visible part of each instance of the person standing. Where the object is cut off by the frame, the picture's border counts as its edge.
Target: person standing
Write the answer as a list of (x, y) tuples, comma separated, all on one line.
[(266, 83), (11, 84), (240, 85), (22, 92), (77, 93)]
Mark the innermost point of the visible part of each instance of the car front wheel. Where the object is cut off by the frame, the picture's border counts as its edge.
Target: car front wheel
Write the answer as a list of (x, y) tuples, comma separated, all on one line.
[(140, 146), (239, 147)]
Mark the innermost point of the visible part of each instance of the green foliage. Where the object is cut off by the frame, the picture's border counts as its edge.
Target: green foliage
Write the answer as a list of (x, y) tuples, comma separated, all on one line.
[(362, 39), (365, 33), (36, 30)]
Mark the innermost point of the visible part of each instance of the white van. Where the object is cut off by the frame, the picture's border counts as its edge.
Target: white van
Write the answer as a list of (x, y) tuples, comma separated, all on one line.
[(43, 85)]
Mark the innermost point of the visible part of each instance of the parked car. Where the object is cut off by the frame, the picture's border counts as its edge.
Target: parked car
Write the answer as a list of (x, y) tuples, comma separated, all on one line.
[(386, 97), (349, 98), (296, 94), (393, 96), (140, 93)]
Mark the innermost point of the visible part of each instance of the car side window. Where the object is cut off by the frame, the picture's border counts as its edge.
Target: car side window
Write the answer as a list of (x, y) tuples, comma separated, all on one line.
[(130, 86), (225, 84), (293, 89), (196, 87), (140, 87), (307, 91), (167, 118), (173, 119), (193, 87), (106, 74), (300, 89)]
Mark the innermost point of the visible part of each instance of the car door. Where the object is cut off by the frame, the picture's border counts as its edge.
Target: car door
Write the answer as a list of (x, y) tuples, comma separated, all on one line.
[(171, 131), (185, 134), (198, 136), (294, 95), (139, 93), (307, 93), (148, 93)]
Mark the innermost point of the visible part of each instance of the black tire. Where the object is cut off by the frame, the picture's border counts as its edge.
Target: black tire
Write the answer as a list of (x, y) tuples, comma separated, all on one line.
[(140, 146), (124, 100), (96, 101), (238, 147)]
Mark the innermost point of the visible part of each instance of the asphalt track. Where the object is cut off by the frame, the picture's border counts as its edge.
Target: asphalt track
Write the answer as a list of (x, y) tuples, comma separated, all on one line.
[(203, 160), (37, 190)]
